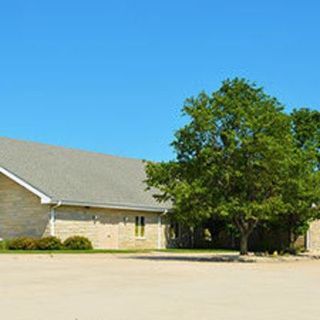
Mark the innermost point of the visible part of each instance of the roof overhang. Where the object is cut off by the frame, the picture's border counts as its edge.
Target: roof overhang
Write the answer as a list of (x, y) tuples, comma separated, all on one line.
[(119, 206)]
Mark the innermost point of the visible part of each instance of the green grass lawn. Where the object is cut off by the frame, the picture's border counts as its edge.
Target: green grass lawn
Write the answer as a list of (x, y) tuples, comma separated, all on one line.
[(112, 251), (94, 251)]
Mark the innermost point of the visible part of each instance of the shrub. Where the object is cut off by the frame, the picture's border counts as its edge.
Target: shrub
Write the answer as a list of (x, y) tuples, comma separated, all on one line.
[(49, 243), (3, 244), (23, 243), (77, 243)]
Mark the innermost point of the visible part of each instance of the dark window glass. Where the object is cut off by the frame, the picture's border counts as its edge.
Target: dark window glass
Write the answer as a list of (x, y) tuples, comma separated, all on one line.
[(139, 230)]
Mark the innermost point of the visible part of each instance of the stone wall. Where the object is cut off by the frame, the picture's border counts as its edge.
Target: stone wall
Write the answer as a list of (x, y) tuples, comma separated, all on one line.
[(109, 228), (313, 236), (21, 213)]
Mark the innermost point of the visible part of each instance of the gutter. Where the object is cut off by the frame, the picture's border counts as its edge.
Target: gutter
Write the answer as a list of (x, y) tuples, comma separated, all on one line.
[(110, 205)]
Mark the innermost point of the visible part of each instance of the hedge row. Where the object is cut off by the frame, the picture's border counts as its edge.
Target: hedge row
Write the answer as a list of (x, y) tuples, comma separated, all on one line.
[(49, 243)]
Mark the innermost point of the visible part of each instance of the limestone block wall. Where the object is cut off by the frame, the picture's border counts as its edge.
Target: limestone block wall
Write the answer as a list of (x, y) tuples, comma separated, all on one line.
[(21, 213), (314, 236), (109, 228)]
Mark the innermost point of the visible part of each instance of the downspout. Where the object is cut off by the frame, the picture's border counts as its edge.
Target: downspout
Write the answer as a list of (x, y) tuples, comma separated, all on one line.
[(53, 218), (160, 228)]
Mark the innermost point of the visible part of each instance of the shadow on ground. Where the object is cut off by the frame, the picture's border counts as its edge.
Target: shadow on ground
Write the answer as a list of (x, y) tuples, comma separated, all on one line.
[(195, 258)]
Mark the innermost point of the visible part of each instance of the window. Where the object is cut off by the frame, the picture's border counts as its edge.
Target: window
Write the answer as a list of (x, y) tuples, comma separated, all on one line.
[(140, 226)]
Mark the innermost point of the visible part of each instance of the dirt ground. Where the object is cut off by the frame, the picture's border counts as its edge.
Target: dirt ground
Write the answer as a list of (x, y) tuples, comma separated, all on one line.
[(155, 286)]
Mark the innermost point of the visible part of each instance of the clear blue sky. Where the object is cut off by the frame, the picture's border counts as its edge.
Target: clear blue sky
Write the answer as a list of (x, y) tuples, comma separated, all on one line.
[(111, 76)]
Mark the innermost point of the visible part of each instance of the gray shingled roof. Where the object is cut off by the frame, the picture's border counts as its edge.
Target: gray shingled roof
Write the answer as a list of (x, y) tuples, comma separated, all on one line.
[(78, 176)]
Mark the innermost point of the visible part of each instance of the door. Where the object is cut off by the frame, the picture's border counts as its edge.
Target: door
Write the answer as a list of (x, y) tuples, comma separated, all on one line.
[(108, 232)]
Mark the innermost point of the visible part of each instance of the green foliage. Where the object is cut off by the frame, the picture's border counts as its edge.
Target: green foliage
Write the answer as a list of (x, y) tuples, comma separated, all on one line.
[(3, 245), (23, 243), (236, 158), (301, 192), (49, 243), (77, 243), (306, 130)]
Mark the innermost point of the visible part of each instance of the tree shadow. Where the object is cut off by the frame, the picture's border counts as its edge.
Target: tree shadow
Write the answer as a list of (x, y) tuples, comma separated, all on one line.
[(228, 258)]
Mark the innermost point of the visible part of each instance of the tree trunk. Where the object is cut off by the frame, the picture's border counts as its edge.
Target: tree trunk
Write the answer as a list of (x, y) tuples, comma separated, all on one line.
[(291, 240), (192, 237), (245, 228), (244, 244)]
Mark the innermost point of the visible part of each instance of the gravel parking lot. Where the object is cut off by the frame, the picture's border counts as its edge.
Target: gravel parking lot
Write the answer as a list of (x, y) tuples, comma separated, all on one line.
[(155, 286)]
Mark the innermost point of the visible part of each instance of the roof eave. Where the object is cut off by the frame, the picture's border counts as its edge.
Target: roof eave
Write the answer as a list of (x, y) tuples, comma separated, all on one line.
[(121, 206)]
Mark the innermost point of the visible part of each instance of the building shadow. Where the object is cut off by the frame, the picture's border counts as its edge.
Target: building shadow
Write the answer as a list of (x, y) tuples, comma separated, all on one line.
[(227, 258)]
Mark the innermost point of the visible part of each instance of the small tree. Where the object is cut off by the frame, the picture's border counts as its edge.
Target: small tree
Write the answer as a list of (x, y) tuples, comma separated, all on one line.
[(232, 159)]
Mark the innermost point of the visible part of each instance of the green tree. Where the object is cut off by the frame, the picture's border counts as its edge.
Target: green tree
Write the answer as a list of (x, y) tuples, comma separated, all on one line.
[(301, 190), (306, 131), (232, 159)]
